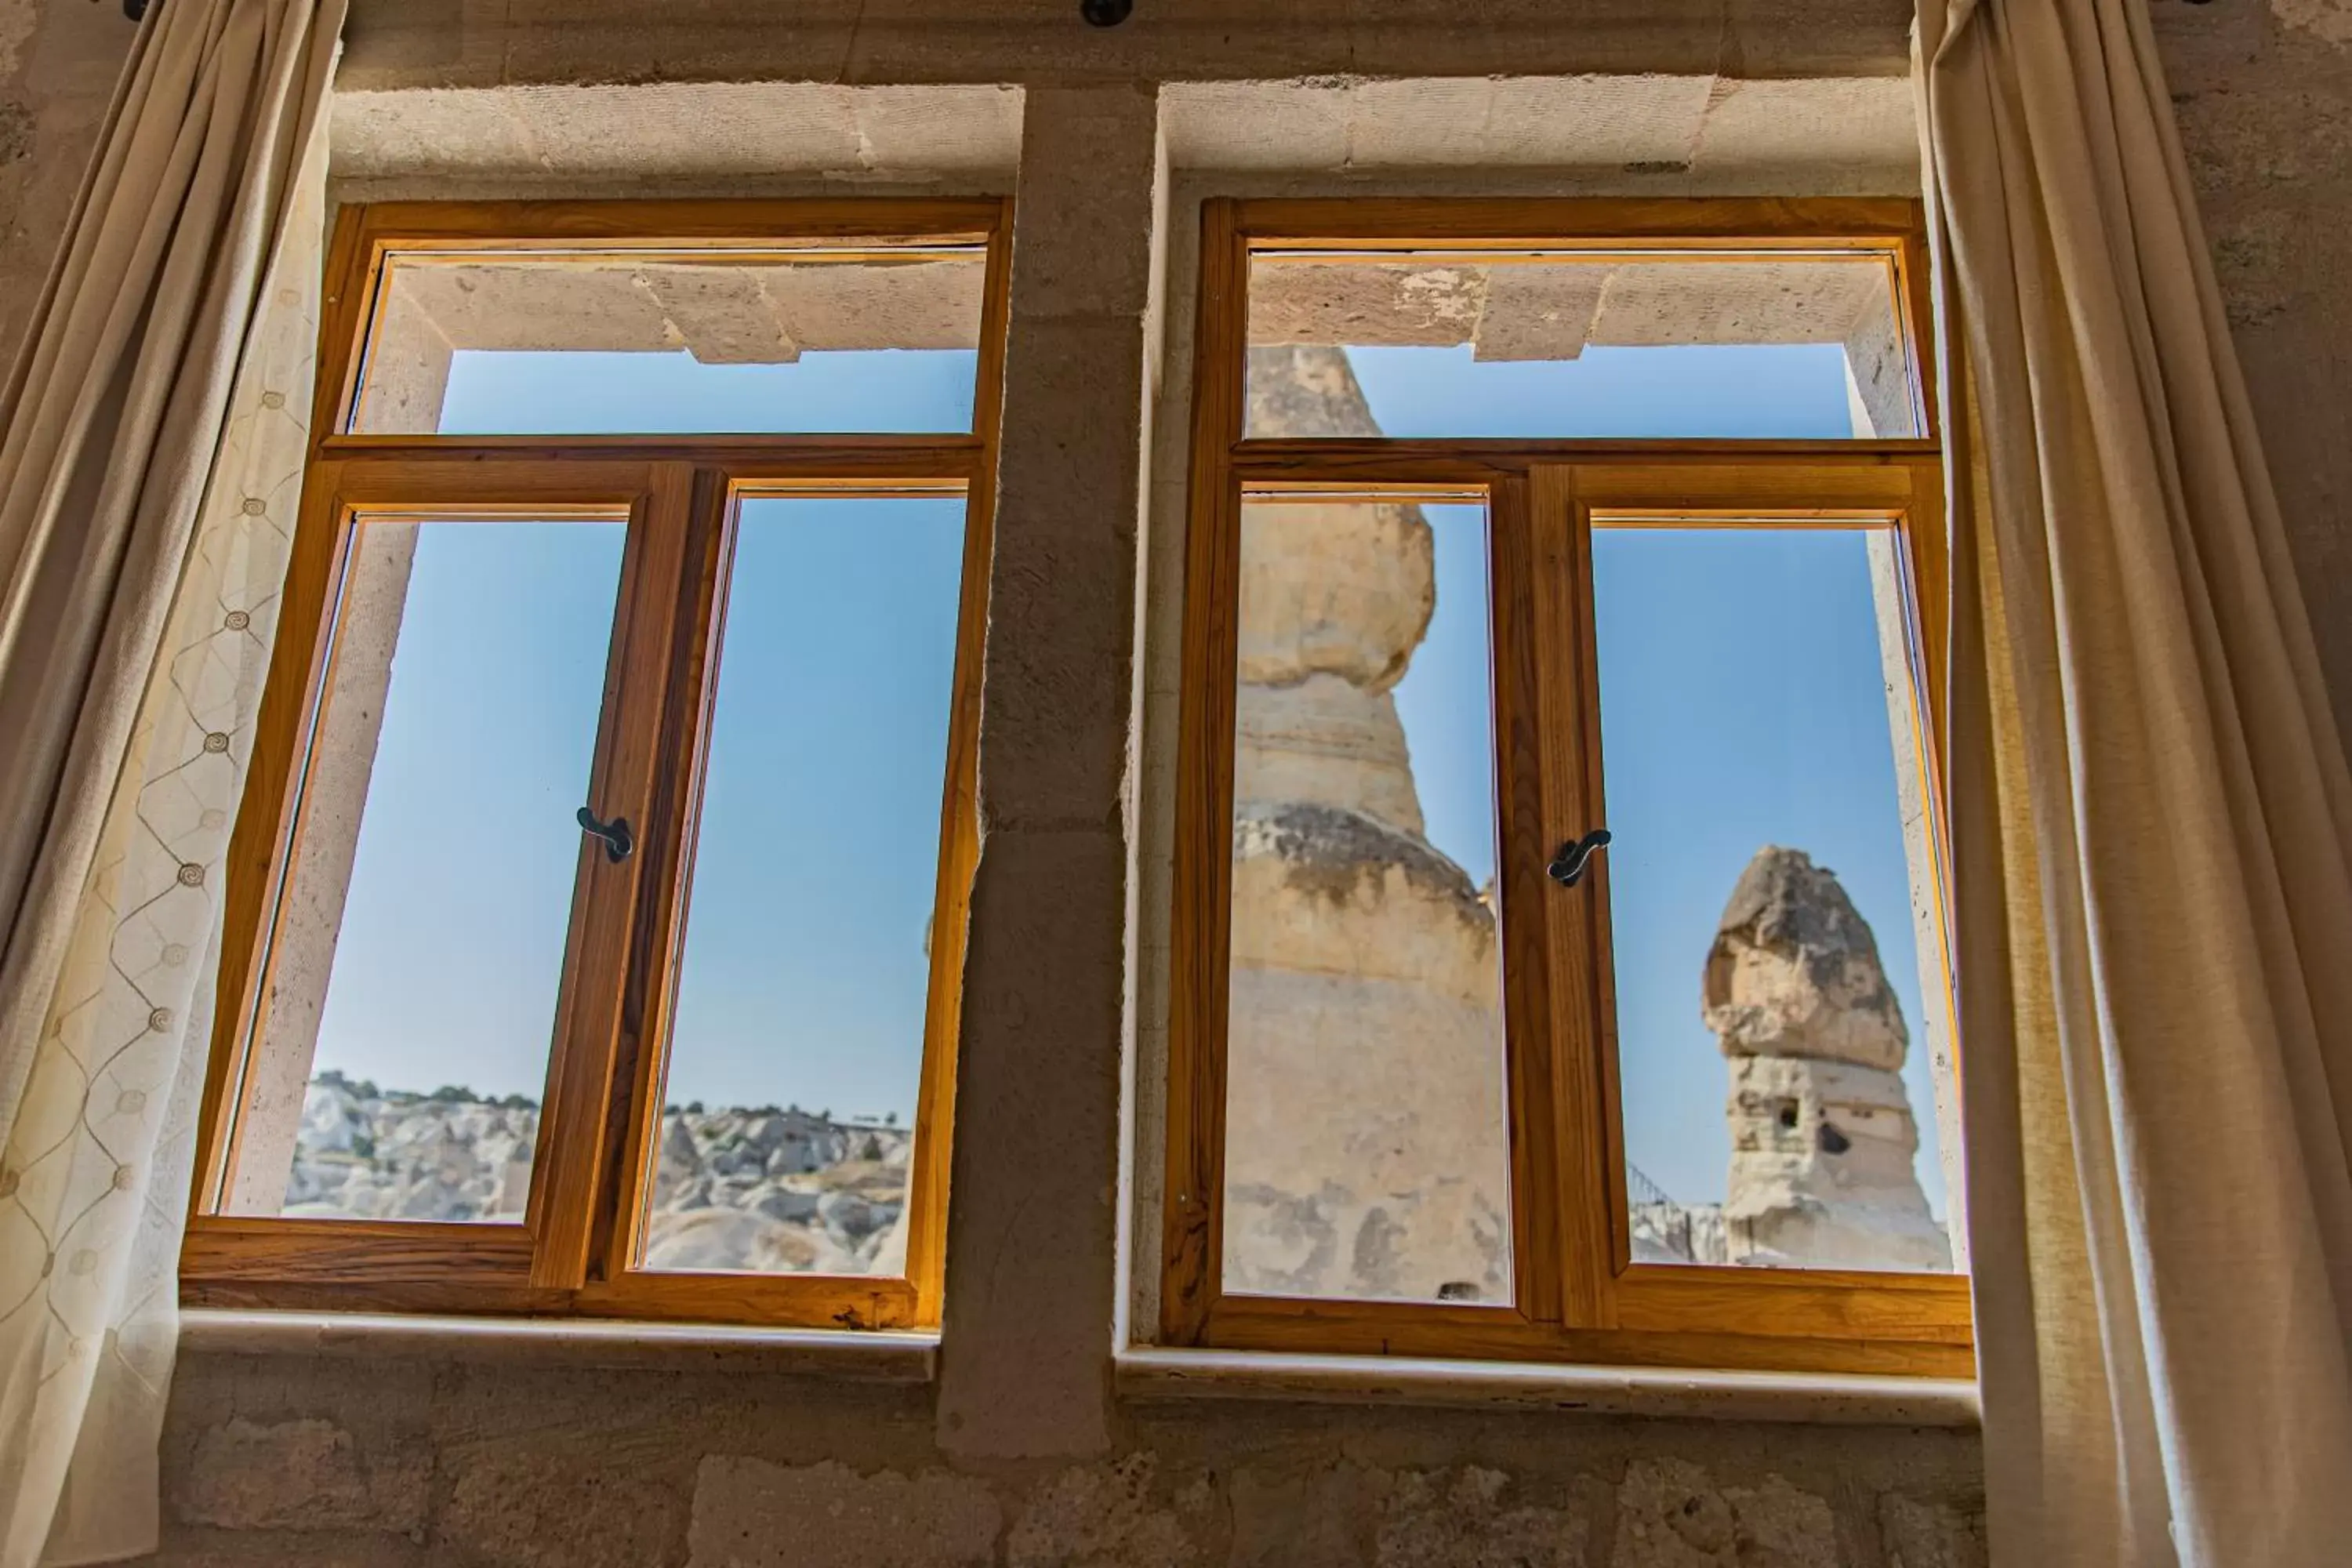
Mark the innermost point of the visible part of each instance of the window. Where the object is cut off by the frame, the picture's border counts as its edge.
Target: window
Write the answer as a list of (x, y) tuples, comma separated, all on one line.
[(595, 914), (1512, 524)]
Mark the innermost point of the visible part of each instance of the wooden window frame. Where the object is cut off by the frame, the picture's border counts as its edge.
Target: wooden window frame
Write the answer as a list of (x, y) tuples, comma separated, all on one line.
[(573, 1251), (1577, 1295)]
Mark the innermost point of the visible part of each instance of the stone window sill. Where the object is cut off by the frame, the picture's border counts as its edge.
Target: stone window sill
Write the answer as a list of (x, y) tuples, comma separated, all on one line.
[(1146, 1372), (900, 1358)]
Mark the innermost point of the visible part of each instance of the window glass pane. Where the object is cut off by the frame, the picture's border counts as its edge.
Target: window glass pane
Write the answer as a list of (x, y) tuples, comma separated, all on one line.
[(419, 943), (1767, 885), (605, 343), (1366, 1155), (1597, 345), (795, 1054)]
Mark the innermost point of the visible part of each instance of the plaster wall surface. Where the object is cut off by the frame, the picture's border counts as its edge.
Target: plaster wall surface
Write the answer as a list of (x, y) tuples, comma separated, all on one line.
[(1021, 1454)]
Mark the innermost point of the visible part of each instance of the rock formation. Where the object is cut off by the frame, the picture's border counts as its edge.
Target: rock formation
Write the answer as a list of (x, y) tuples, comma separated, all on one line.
[(1822, 1139), (1365, 1150), (763, 1190), (365, 1153), (1665, 1231)]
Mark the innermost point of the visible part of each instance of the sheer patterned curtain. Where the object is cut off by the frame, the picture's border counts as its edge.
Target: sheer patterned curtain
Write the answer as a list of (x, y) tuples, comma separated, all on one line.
[(2152, 839), (152, 465)]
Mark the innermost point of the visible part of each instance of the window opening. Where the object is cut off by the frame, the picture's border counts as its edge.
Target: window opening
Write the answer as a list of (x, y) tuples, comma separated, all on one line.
[(595, 916), (1589, 1002)]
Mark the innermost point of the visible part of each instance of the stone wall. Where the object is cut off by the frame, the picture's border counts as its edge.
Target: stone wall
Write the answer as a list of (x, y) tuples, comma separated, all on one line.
[(58, 65), (2263, 92), (398, 1463)]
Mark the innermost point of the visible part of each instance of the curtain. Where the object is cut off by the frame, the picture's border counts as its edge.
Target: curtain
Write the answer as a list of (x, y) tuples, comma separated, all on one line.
[(152, 436), (2151, 826)]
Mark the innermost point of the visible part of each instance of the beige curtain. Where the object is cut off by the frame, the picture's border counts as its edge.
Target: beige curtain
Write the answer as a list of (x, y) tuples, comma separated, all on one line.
[(151, 448), (2152, 839)]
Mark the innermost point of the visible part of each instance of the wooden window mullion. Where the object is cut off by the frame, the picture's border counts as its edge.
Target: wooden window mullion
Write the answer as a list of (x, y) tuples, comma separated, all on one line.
[(701, 500), (594, 1031), (1541, 1267), (1574, 961)]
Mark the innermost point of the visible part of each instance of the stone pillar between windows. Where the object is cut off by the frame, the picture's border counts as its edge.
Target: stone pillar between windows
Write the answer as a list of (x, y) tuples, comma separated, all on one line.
[(1032, 1249)]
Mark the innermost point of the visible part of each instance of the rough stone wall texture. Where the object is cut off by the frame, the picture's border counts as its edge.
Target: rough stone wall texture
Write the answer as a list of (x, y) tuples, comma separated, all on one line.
[(2263, 92), (476, 43), (58, 64), (400, 1462)]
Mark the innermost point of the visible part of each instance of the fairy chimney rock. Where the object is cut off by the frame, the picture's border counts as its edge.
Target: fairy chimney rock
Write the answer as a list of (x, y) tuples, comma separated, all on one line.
[(1794, 971), (1365, 1151), (1823, 1142)]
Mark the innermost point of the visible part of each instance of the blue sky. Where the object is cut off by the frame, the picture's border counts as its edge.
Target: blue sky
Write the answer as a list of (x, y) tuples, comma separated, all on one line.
[(452, 940), (1740, 707), (804, 976)]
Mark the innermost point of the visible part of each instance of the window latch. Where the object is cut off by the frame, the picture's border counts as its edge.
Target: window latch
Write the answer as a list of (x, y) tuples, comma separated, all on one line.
[(1568, 866), (618, 840)]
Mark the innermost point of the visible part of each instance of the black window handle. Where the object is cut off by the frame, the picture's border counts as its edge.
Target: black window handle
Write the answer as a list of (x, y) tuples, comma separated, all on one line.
[(1568, 866), (618, 840)]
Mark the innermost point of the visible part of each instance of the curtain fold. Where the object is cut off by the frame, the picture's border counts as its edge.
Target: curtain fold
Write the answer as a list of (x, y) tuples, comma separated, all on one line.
[(152, 435), (2151, 824)]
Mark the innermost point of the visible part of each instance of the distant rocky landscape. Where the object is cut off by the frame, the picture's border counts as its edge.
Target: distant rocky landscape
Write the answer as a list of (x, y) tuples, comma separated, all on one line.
[(770, 1190)]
